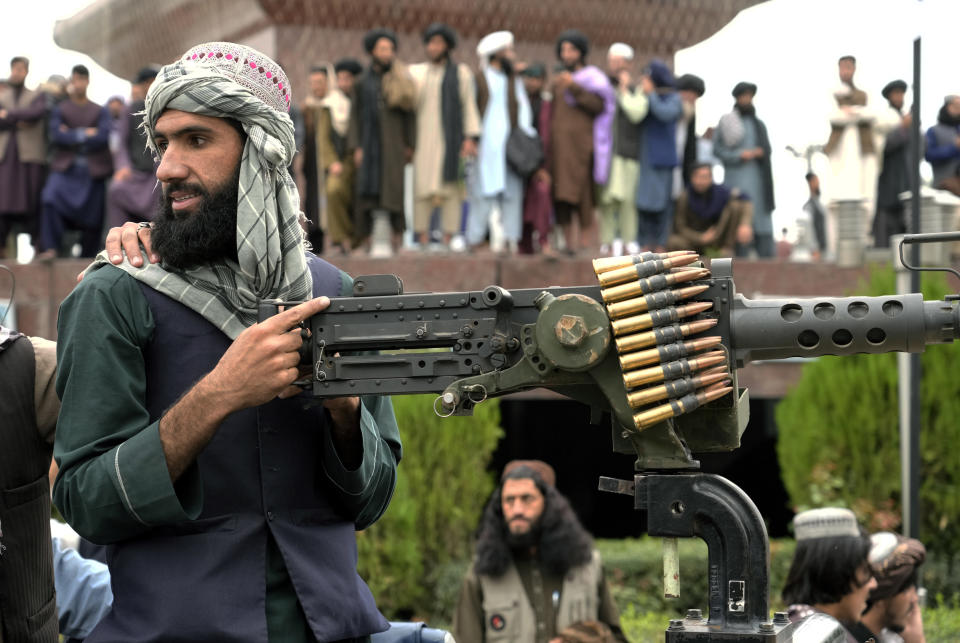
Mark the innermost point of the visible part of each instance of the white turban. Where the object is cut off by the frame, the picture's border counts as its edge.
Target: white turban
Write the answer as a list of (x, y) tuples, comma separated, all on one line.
[(494, 42), (621, 49)]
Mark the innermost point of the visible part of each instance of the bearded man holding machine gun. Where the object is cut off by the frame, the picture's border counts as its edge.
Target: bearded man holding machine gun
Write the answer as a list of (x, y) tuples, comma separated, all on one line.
[(196, 465)]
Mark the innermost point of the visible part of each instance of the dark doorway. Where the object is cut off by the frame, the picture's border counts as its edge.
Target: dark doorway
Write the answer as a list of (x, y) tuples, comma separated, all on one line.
[(559, 432)]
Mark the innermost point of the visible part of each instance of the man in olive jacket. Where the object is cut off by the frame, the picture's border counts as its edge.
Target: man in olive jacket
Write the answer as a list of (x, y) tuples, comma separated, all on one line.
[(536, 575)]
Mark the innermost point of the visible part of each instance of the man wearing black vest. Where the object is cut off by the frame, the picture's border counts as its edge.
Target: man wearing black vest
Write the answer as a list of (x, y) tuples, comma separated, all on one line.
[(536, 577), (228, 503), (28, 418)]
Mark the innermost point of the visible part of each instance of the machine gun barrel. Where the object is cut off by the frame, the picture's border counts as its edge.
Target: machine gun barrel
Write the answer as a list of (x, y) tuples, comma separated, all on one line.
[(780, 328), (468, 346)]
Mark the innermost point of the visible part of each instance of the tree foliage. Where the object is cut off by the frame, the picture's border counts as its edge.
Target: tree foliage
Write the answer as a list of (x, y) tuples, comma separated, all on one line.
[(839, 434), (442, 486)]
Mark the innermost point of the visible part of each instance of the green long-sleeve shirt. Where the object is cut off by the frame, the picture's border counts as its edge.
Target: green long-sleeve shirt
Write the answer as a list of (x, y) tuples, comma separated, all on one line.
[(114, 483)]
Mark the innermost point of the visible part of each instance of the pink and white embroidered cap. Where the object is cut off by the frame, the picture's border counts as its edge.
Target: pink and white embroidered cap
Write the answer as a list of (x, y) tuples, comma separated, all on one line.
[(248, 67)]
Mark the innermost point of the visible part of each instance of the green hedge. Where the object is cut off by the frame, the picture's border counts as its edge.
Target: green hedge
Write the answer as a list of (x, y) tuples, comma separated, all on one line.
[(634, 568), (442, 486), (839, 438)]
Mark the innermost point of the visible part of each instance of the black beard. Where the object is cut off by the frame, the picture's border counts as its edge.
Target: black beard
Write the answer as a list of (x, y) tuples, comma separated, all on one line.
[(526, 540), (746, 110), (506, 65), (209, 234)]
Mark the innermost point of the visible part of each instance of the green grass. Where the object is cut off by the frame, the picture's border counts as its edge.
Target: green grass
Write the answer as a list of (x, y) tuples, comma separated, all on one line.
[(940, 624)]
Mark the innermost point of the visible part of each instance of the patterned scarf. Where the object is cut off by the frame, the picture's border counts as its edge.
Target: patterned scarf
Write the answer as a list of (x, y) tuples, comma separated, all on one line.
[(270, 242)]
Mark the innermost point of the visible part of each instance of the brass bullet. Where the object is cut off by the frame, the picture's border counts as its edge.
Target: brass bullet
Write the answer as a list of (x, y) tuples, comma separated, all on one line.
[(650, 284), (660, 317), (673, 370), (654, 301), (676, 388), (664, 335), (667, 352), (605, 264), (679, 406), (643, 270)]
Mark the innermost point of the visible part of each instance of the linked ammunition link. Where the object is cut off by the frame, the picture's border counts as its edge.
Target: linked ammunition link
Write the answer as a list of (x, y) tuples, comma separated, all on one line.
[(641, 283)]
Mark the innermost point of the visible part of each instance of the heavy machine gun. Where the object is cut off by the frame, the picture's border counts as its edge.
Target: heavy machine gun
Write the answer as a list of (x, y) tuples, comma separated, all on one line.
[(656, 344)]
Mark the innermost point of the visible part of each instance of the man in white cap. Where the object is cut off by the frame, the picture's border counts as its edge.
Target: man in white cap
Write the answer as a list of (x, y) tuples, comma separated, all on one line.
[(830, 572), (503, 106), (618, 207), (227, 503)]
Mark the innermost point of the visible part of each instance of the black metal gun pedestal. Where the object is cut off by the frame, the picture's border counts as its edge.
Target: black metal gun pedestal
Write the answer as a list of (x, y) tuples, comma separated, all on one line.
[(684, 505)]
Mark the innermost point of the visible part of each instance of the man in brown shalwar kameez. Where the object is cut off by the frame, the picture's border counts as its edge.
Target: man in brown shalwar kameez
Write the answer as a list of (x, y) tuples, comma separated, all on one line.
[(571, 152)]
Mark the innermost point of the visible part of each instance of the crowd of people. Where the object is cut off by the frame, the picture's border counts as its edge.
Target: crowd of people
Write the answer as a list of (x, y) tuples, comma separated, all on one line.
[(70, 164), (571, 159)]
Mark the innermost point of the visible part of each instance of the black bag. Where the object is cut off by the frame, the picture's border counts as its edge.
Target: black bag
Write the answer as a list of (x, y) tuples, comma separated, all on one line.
[(524, 152)]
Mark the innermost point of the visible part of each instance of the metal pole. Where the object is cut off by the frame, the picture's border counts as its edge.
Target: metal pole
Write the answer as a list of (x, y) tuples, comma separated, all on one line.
[(904, 389), (912, 492)]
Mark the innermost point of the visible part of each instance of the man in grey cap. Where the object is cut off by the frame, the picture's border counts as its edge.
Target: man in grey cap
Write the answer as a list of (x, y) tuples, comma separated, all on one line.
[(830, 572)]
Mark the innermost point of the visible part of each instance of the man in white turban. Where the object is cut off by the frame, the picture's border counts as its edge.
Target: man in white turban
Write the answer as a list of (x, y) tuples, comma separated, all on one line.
[(228, 504), (504, 106)]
